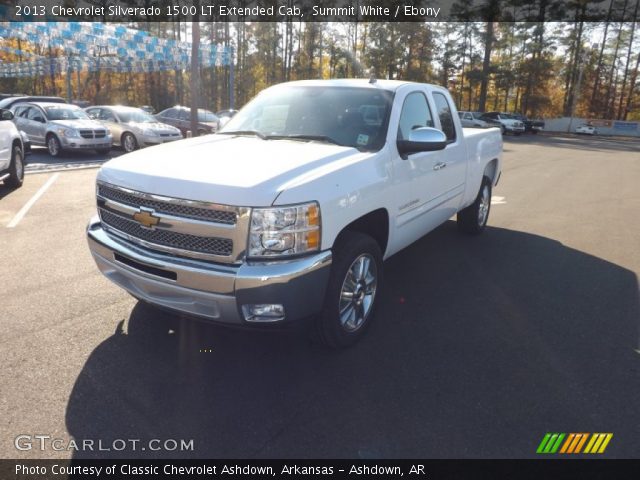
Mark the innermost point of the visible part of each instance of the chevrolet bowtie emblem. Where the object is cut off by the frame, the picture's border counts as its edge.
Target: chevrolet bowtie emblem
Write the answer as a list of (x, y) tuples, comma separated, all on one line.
[(145, 218)]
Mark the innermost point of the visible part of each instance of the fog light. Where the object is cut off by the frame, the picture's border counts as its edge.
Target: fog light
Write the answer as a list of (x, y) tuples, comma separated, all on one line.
[(263, 312)]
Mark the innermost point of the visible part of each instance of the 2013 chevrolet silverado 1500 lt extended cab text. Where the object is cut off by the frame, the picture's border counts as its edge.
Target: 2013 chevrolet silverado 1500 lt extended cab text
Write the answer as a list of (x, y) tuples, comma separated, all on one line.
[(289, 211)]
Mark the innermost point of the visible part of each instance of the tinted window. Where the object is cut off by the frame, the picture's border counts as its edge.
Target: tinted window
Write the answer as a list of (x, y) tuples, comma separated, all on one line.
[(106, 115), (444, 112), (184, 115), (170, 113), (351, 116), (415, 113)]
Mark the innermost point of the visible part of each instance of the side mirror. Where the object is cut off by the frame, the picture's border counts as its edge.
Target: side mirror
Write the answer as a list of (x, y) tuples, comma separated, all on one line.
[(422, 139), (6, 114)]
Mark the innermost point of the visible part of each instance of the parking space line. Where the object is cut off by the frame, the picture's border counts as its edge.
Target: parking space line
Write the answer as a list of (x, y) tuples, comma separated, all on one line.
[(23, 211)]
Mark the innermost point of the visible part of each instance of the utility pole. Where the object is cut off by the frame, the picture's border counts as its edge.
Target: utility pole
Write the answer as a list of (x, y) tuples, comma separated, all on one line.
[(195, 71), (576, 90)]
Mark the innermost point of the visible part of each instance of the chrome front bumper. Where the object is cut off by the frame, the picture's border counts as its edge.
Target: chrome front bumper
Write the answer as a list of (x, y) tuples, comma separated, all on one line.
[(210, 290), (79, 143)]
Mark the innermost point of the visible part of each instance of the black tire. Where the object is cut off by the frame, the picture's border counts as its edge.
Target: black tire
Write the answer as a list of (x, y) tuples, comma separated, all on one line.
[(128, 142), (16, 169), (53, 146), (471, 220), (201, 132), (352, 250), (503, 129)]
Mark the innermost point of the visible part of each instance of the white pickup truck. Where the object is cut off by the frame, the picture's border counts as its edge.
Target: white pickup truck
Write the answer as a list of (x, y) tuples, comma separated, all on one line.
[(11, 151), (289, 211)]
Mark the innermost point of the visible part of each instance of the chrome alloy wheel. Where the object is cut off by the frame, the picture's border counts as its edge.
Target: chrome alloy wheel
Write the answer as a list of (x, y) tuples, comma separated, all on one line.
[(129, 143), (52, 144), (483, 208), (358, 292)]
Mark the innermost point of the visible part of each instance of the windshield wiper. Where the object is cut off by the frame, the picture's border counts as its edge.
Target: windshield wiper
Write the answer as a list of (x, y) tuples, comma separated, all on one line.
[(302, 136), (245, 132)]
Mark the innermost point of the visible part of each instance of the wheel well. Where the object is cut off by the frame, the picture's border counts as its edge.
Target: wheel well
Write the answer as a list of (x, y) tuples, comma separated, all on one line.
[(17, 143), (375, 224), (491, 170)]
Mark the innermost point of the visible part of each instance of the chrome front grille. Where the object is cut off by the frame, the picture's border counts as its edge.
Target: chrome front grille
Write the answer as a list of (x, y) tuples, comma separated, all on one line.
[(179, 209), (88, 133), (180, 227), (208, 245)]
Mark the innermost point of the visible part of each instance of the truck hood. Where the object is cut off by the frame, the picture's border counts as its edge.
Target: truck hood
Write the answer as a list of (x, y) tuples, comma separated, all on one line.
[(225, 169)]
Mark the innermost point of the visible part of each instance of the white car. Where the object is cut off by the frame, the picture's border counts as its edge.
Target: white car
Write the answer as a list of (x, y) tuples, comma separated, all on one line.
[(11, 151), (288, 212), (133, 128), (472, 120), (587, 130)]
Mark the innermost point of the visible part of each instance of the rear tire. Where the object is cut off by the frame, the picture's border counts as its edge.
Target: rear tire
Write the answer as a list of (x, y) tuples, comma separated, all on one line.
[(16, 169), (473, 219), (352, 292)]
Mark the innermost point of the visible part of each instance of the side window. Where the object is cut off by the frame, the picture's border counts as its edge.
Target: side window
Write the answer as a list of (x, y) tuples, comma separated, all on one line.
[(415, 113), (93, 113), (171, 113), (106, 116), (185, 114), (35, 115), (20, 112), (444, 112)]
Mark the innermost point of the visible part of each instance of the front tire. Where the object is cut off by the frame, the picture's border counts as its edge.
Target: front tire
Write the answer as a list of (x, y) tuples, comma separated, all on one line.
[(128, 142), (354, 286), (473, 219), (53, 145), (16, 169)]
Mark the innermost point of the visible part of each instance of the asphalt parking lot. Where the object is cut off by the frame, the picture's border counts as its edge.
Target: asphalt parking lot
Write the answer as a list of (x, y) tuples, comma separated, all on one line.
[(480, 346)]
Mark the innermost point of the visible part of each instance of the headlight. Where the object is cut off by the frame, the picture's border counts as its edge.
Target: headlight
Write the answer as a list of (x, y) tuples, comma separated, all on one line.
[(67, 132), (149, 132), (284, 230)]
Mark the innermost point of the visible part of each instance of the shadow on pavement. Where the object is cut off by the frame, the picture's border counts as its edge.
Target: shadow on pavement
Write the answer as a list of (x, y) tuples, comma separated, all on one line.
[(481, 346)]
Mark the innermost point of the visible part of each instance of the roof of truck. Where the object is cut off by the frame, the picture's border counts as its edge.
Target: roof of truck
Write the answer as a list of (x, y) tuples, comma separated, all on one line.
[(390, 85)]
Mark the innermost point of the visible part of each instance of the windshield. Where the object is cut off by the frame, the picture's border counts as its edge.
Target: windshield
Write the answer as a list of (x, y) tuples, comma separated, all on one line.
[(206, 116), (350, 116), (135, 116), (65, 113)]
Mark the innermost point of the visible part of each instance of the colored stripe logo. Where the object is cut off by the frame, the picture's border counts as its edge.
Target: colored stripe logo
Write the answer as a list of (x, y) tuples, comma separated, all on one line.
[(574, 443)]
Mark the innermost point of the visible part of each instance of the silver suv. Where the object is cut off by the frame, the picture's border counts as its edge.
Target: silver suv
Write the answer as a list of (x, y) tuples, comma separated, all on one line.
[(60, 126)]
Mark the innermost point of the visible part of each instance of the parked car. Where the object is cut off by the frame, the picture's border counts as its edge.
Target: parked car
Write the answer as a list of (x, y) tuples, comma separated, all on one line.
[(225, 115), (530, 126), (9, 102), (508, 124), (180, 117), (587, 129), (11, 151), (472, 120), (289, 211), (61, 127), (133, 128)]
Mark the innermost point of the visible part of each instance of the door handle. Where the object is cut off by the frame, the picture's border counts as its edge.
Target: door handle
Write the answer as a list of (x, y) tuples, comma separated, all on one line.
[(439, 166)]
